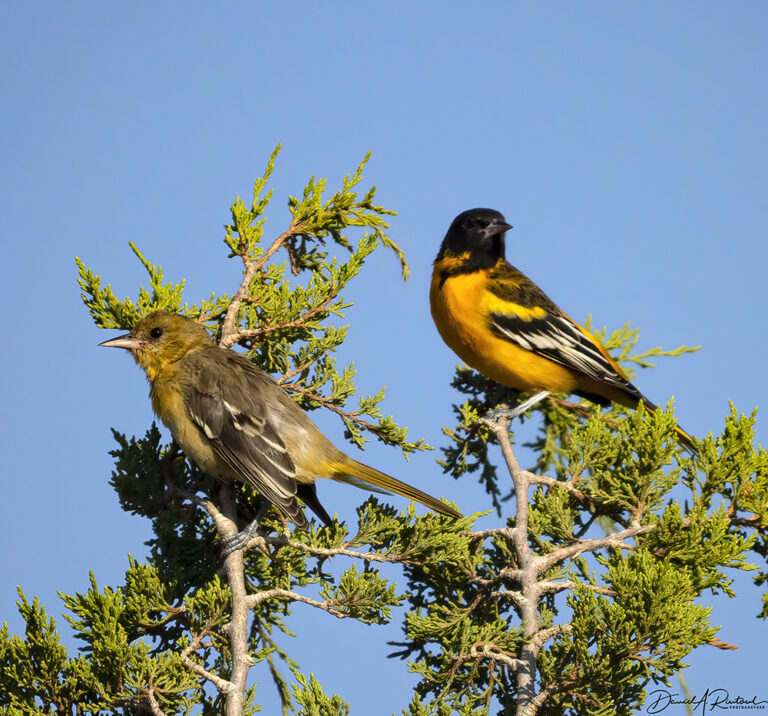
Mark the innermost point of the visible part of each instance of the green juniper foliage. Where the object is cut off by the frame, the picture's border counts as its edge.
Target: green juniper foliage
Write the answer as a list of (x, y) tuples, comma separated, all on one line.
[(590, 590)]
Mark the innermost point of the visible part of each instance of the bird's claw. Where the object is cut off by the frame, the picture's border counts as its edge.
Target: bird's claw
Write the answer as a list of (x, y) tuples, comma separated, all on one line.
[(237, 541), (493, 416)]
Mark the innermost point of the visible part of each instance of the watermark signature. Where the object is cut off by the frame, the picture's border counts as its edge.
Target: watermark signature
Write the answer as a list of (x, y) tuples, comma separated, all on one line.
[(711, 700)]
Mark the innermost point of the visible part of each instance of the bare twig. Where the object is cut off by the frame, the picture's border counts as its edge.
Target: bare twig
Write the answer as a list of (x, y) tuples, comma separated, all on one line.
[(539, 700), (555, 484), (543, 636), (299, 369), (222, 685), (253, 600), (615, 539), (223, 525), (552, 586), (720, 644), (525, 666), (254, 333), (492, 532), (505, 575), (328, 403), (485, 650), (229, 336), (151, 700), (237, 629), (284, 541)]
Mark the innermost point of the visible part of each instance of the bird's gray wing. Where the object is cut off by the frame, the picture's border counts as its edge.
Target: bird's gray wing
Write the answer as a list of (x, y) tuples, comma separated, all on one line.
[(228, 399)]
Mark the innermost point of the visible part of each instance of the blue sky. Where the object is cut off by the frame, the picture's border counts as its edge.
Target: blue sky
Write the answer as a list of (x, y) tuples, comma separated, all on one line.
[(626, 143)]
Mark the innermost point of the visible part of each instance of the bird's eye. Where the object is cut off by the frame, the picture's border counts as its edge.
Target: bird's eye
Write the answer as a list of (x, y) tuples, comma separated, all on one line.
[(156, 332)]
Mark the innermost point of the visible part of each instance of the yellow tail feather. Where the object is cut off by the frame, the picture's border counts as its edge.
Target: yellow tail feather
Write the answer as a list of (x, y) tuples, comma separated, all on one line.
[(349, 468)]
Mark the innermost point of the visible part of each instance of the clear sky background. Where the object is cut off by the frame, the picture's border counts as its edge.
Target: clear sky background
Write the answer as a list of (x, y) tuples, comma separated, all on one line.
[(626, 143)]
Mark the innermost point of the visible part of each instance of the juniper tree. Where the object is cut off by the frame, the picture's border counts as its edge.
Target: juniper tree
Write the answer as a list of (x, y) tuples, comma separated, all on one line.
[(582, 595)]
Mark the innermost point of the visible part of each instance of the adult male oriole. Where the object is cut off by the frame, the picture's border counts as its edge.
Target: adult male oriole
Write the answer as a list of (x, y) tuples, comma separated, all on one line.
[(503, 325), (237, 423)]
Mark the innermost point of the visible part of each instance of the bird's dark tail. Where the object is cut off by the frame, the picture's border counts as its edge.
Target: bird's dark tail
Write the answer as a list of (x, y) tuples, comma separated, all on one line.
[(308, 494)]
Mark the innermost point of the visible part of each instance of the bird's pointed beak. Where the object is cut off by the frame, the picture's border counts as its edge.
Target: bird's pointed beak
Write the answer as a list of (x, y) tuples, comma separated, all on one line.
[(127, 341), (498, 228)]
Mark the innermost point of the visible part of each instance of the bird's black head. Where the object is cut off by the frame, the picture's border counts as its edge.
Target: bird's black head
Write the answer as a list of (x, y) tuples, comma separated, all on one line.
[(478, 233)]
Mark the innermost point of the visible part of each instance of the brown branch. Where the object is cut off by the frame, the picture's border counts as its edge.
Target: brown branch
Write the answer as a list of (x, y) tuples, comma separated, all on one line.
[(327, 403), (253, 600), (514, 595), (567, 486), (533, 706), (552, 586), (253, 333), (720, 644), (224, 525), (283, 541), (505, 575), (222, 685), (492, 532), (493, 653), (527, 602), (616, 539), (543, 636), (237, 629), (228, 333), (151, 700), (296, 371)]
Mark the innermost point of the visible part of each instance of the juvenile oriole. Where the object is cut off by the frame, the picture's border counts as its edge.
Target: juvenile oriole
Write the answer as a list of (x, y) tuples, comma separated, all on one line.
[(503, 325), (237, 423)]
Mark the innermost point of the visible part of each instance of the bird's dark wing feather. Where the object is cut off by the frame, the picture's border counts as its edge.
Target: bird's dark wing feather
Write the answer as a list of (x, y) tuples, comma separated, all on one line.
[(231, 408), (558, 338)]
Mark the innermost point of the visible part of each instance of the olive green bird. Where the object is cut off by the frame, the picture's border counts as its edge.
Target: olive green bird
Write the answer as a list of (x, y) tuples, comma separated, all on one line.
[(237, 423)]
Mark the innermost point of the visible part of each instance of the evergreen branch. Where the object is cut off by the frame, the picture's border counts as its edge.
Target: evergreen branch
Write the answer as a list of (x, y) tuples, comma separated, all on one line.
[(515, 596), (491, 532)]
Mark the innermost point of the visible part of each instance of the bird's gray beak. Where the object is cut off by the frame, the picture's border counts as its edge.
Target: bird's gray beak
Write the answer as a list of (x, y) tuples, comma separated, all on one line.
[(127, 341), (495, 229)]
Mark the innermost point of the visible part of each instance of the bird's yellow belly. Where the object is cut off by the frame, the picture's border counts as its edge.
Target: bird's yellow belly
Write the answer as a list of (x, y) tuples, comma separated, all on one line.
[(169, 407), (461, 316)]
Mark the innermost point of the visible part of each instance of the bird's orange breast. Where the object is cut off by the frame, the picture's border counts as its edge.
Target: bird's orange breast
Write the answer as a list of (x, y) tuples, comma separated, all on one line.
[(461, 306)]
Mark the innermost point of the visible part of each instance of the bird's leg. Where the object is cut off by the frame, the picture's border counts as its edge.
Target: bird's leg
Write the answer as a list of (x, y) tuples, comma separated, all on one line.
[(238, 541), (518, 410)]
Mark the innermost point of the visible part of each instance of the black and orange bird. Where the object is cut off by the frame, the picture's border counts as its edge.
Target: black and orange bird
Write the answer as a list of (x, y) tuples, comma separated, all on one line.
[(503, 325), (237, 423)]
